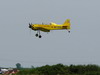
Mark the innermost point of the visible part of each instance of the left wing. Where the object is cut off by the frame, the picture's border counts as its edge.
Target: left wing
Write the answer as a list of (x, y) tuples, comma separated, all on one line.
[(43, 29)]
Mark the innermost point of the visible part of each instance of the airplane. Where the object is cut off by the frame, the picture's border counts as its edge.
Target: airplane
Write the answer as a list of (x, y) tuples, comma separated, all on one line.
[(48, 27)]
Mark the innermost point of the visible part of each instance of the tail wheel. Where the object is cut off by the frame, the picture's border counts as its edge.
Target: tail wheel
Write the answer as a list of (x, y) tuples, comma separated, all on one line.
[(69, 31)]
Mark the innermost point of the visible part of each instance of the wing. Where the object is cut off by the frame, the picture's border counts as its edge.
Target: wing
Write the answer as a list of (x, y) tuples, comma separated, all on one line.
[(43, 29)]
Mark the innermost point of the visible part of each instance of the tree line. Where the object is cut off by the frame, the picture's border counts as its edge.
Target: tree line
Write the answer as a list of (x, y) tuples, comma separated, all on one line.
[(60, 69)]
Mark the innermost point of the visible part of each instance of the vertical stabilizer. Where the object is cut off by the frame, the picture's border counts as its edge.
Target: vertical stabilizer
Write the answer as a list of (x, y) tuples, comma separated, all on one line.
[(67, 22)]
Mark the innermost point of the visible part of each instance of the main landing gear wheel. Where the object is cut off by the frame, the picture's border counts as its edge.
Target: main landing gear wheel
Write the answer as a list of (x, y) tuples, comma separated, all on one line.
[(40, 36), (36, 35)]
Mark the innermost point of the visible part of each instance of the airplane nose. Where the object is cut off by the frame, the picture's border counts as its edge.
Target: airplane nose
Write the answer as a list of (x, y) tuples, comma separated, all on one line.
[(30, 25)]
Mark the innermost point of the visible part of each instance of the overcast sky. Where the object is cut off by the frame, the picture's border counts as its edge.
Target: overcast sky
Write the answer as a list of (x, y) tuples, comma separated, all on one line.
[(17, 45)]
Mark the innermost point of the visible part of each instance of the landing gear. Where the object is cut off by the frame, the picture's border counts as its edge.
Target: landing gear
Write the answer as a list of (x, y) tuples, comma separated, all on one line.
[(68, 31), (38, 34)]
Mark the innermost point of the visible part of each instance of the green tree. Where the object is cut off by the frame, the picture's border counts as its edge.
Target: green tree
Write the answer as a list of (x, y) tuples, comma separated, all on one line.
[(18, 66)]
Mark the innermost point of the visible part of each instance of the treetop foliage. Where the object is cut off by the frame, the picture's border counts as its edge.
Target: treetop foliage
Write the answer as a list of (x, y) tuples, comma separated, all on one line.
[(60, 69)]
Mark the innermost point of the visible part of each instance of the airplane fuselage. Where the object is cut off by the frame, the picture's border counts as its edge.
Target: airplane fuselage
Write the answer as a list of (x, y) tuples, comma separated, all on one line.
[(48, 27)]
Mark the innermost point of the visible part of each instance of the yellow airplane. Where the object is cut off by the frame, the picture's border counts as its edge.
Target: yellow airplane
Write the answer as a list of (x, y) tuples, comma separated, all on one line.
[(48, 27)]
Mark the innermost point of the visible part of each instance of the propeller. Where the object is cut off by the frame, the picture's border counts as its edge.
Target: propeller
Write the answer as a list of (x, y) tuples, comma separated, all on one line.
[(30, 25)]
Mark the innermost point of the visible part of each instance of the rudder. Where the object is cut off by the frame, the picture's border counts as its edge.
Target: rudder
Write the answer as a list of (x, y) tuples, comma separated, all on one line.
[(67, 22)]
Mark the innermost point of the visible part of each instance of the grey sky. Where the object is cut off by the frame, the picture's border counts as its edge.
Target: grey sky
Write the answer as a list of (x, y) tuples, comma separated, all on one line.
[(81, 46)]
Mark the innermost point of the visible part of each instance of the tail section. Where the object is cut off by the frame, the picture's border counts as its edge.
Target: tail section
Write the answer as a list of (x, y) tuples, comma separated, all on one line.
[(67, 23)]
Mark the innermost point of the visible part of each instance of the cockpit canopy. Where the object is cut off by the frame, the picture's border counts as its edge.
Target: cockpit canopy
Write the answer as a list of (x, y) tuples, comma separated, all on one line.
[(53, 23)]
